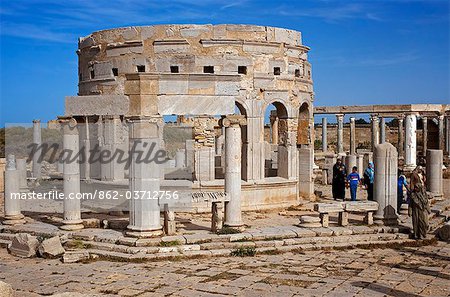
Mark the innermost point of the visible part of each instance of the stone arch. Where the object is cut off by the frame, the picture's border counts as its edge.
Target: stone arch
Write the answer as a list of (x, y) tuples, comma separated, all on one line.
[(304, 125)]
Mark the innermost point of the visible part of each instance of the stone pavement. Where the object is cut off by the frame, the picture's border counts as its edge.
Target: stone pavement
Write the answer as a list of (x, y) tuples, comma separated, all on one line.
[(408, 271)]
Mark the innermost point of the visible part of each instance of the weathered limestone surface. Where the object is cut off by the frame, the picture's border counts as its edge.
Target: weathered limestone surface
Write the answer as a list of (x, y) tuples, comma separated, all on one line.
[(13, 213), (324, 135), (72, 204), (24, 245), (385, 183), (6, 290), (305, 173), (51, 248), (96, 105), (410, 141), (37, 140), (434, 179)]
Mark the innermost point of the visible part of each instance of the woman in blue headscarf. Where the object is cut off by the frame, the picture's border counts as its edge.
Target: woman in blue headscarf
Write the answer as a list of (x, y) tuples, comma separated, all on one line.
[(369, 175)]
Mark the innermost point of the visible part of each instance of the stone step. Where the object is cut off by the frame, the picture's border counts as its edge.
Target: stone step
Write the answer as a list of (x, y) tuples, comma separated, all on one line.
[(7, 236), (142, 257), (4, 243), (208, 247)]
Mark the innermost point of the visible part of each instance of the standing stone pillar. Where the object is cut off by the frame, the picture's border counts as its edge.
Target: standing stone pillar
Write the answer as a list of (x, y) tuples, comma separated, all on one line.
[(425, 135), (13, 214), (37, 140), (385, 183), (410, 141), (87, 148), (71, 175), (274, 121), (441, 132), (324, 135), (233, 143), (305, 173), (340, 133), (447, 136), (382, 130), (219, 145), (375, 130), (112, 141), (180, 161), (21, 165), (350, 161), (352, 136), (401, 137), (144, 177), (434, 172)]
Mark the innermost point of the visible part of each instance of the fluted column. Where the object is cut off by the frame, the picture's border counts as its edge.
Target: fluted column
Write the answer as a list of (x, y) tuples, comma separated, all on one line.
[(425, 134), (352, 136), (324, 135), (382, 130), (410, 141), (37, 140), (233, 143), (441, 132), (71, 174), (375, 130), (13, 215), (340, 133), (401, 137), (144, 176)]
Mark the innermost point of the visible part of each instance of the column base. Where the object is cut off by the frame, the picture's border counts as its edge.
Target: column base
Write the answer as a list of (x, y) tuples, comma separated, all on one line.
[(144, 234), (72, 225), (14, 219), (239, 227)]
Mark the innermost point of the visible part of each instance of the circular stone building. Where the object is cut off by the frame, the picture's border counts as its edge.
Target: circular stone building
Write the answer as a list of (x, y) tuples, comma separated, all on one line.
[(199, 73)]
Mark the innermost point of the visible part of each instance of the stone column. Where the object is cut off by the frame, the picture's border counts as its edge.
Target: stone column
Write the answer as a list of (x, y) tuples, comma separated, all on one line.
[(375, 132), (180, 159), (441, 132), (352, 136), (37, 140), (21, 165), (13, 214), (71, 175), (219, 145), (274, 120), (425, 135), (385, 183), (410, 141), (401, 137), (447, 136), (144, 177), (112, 132), (382, 130), (350, 161), (340, 133), (253, 149), (305, 173), (434, 172), (233, 143), (87, 148), (324, 135)]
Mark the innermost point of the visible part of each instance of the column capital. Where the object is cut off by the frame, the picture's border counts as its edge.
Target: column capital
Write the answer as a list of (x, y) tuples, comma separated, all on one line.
[(340, 116), (374, 117), (233, 120), (400, 117), (68, 124), (352, 119), (150, 119), (36, 121)]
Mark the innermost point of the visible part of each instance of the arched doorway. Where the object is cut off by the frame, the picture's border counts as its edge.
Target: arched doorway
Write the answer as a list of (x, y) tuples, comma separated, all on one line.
[(275, 138)]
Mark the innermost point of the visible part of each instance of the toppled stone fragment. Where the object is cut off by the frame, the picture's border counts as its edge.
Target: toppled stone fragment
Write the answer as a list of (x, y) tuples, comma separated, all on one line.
[(51, 248), (24, 245)]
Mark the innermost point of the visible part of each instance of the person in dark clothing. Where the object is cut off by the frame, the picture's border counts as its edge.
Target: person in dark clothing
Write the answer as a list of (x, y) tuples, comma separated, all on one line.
[(369, 175), (339, 179)]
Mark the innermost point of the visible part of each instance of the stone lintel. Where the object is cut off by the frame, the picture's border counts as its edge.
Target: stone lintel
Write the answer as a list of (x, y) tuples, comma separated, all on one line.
[(97, 105)]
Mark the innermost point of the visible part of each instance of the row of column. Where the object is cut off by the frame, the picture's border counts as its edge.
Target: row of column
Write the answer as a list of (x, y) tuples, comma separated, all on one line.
[(144, 133), (407, 140)]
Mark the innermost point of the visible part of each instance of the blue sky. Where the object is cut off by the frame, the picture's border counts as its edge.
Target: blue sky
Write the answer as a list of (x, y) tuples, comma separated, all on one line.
[(362, 51)]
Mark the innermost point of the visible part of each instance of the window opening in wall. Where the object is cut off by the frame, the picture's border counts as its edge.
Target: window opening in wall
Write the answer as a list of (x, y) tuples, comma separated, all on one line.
[(208, 69), (242, 69), (309, 73), (115, 71), (174, 69), (297, 72), (92, 74), (276, 71), (140, 68)]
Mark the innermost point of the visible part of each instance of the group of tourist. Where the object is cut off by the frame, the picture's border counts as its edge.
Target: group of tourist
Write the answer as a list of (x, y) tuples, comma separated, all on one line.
[(416, 196)]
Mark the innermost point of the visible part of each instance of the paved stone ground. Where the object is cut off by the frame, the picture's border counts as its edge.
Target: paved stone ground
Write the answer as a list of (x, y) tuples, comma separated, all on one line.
[(409, 271)]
